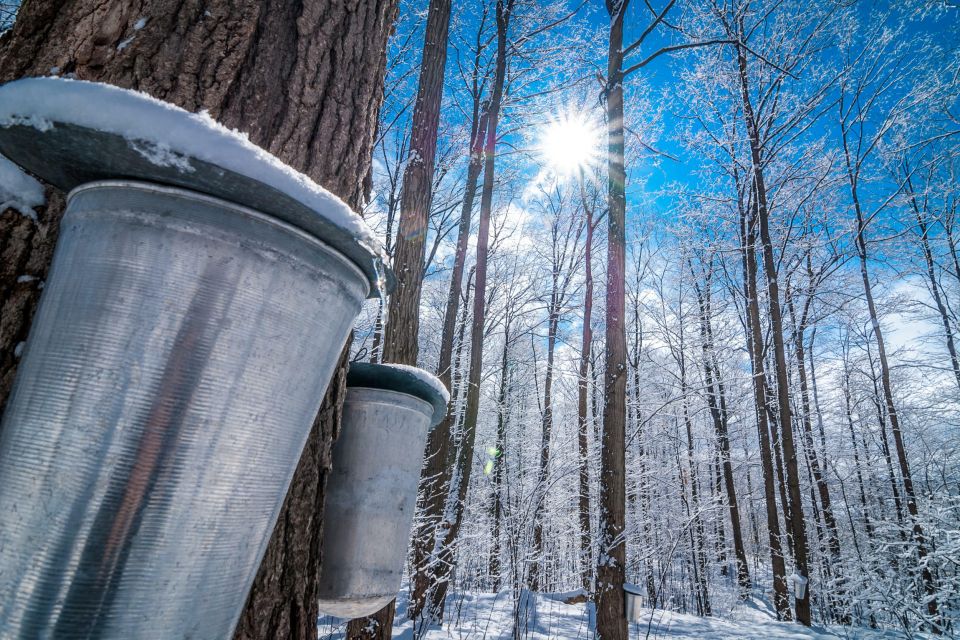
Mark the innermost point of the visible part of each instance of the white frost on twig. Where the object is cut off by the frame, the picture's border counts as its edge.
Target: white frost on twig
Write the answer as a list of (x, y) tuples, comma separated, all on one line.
[(18, 190)]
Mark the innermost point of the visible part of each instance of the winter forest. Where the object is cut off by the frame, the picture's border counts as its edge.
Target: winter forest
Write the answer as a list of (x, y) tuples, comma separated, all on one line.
[(689, 269)]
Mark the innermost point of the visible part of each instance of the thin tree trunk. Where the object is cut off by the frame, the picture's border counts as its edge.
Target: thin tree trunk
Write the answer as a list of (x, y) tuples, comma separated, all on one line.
[(797, 527), (586, 342), (833, 537), (918, 535), (401, 336), (716, 401), (780, 596), (848, 407), (305, 83), (498, 462), (716, 496), (435, 475), (642, 477), (465, 457), (611, 563), (546, 427), (697, 530), (932, 277)]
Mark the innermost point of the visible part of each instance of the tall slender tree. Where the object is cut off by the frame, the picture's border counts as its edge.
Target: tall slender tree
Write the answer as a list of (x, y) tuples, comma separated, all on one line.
[(402, 334)]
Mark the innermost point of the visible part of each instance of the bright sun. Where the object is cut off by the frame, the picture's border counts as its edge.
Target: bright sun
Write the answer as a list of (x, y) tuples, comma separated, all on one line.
[(570, 143)]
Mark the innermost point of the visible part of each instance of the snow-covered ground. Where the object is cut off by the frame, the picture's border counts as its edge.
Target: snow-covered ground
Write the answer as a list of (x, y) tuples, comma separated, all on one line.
[(488, 616)]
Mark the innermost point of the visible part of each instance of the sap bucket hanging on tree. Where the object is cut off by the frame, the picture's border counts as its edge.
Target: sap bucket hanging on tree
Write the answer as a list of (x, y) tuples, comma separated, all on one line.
[(372, 490), (200, 295)]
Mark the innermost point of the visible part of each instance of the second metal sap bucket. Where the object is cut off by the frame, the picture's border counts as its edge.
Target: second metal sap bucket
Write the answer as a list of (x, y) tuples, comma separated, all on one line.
[(372, 490), (189, 326)]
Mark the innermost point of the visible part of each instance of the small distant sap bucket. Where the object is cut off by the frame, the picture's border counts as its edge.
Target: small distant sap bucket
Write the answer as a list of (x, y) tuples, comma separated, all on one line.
[(633, 601), (372, 490), (175, 365), (798, 585)]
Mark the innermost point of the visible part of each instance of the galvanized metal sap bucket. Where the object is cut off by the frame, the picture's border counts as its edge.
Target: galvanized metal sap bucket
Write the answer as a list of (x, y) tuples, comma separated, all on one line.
[(179, 355), (372, 490)]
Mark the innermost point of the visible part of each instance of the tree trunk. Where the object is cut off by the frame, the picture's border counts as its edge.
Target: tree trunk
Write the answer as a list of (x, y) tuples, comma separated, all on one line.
[(861, 243), (755, 339), (305, 83), (611, 562), (716, 401), (435, 475), (697, 529), (848, 409), (830, 522), (403, 321), (458, 489), (642, 477), (796, 523), (932, 277), (498, 462), (546, 427), (401, 337), (583, 452)]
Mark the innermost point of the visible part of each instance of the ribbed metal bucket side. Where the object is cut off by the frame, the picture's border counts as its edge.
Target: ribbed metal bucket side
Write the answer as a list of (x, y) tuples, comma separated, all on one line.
[(371, 498), (174, 368)]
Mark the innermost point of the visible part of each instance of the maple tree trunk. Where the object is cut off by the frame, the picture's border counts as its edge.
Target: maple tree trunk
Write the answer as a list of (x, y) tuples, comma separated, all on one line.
[(756, 349), (435, 475), (273, 70), (583, 452), (402, 333), (444, 563), (796, 524), (611, 561)]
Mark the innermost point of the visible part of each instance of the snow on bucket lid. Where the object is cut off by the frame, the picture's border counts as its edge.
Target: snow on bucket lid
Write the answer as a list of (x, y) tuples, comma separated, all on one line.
[(402, 379), (70, 132)]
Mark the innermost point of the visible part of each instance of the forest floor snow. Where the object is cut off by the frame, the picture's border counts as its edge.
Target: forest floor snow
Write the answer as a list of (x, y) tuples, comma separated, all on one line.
[(490, 616)]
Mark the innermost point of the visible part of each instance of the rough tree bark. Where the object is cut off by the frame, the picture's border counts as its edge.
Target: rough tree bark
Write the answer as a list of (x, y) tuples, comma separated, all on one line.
[(402, 333), (611, 561), (305, 83)]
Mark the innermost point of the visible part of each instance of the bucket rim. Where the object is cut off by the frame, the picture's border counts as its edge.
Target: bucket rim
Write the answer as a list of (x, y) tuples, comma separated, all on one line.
[(142, 185), (67, 154), (401, 380)]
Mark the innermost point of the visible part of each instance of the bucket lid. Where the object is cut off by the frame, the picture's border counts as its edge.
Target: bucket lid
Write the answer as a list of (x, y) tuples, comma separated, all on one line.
[(402, 379), (70, 132)]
